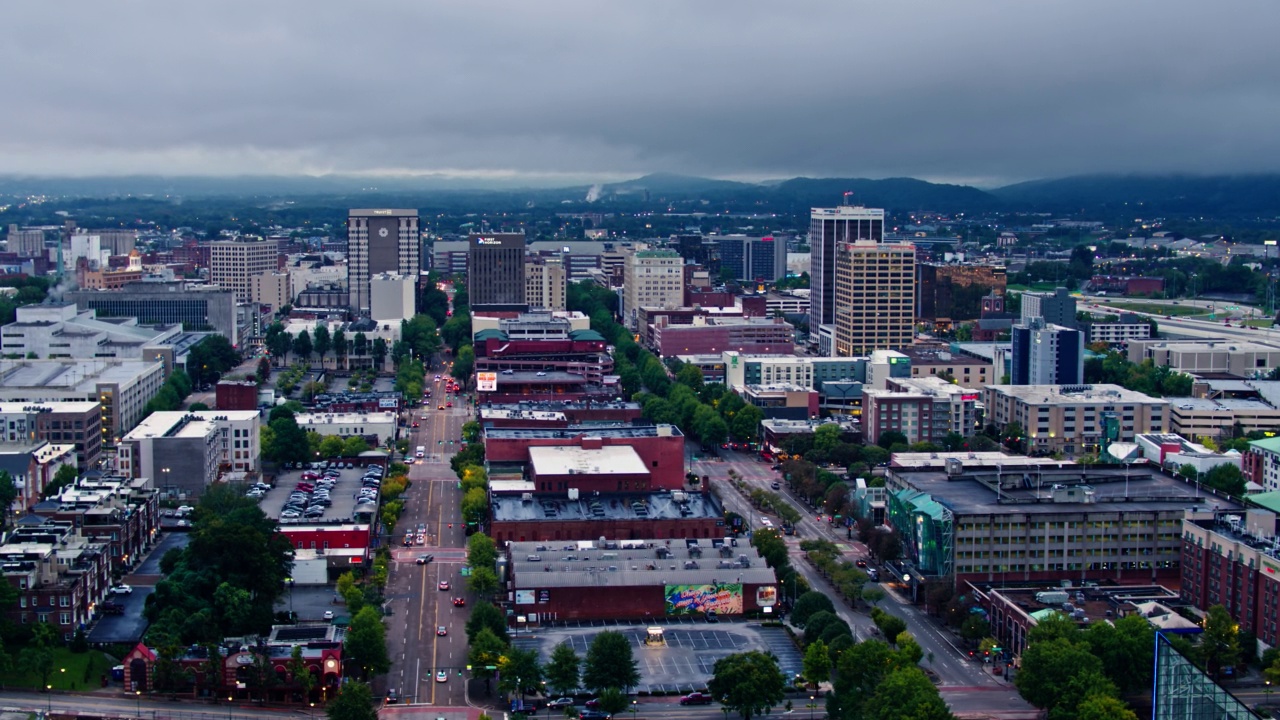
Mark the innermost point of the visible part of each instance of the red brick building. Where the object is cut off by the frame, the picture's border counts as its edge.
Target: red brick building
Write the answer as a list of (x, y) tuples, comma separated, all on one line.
[(60, 576), (237, 395), (765, 336), (642, 579), (558, 414), (659, 447)]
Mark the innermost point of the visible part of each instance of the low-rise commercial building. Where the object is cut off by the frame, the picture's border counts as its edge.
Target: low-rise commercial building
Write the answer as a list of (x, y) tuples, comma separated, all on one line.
[(1242, 359), (392, 297), (61, 331), (660, 449), (964, 369), (667, 516), (1073, 419), (641, 579), (376, 426), (557, 414), (1127, 327), (1205, 418), (711, 335)]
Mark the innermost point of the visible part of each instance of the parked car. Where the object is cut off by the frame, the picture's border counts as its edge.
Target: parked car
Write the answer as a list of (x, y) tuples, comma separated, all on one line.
[(560, 703), (595, 715), (122, 590), (393, 697), (696, 698)]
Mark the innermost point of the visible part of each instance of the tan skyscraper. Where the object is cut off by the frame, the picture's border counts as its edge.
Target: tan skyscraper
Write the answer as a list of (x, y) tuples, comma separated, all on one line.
[(234, 263), (875, 295), (544, 282), (651, 278)]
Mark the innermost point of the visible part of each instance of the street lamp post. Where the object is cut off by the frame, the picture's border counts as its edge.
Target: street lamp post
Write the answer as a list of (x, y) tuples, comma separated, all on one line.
[(137, 694), (230, 699), (634, 709), (1268, 694), (48, 701), (812, 705)]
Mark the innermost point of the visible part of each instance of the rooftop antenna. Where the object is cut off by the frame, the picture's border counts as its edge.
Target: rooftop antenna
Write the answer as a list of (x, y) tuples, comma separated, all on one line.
[(848, 197)]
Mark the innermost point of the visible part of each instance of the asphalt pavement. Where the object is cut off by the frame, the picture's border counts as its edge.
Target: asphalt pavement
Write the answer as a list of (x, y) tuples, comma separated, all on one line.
[(418, 606)]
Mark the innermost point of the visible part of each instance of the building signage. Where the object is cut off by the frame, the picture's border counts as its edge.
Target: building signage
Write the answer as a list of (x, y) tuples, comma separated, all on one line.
[(486, 381), (968, 398), (723, 599), (544, 597), (1270, 567), (488, 241), (388, 403), (766, 596), (524, 597)]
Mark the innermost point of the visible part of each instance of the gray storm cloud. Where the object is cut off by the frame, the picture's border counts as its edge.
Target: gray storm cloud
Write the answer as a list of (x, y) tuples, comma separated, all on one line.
[(1001, 89)]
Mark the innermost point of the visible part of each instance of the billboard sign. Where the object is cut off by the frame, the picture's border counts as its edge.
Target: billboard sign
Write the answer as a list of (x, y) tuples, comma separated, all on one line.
[(766, 596), (486, 381), (724, 599), (524, 597)]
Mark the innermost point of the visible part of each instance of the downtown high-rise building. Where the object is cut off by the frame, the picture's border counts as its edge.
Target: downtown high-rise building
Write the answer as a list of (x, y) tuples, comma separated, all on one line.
[(380, 241), (875, 296), (495, 271), (828, 227), (234, 263), (651, 278)]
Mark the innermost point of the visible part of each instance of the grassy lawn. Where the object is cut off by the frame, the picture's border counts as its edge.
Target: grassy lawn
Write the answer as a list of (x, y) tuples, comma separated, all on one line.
[(1259, 322), (1156, 308), (75, 665), (1034, 287)]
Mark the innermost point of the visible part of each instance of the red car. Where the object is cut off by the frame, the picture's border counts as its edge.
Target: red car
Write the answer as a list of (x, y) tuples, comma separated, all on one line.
[(459, 602), (415, 425), (696, 698), (448, 404)]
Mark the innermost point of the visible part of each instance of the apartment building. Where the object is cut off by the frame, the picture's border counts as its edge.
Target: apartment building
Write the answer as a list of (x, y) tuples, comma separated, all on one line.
[(78, 424), (186, 451), (60, 576), (1055, 308), (273, 289), (1044, 354), (1073, 419), (922, 409), (120, 389)]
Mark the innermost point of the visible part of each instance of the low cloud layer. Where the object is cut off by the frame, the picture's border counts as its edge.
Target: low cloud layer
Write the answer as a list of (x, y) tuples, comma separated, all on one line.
[(985, 92)]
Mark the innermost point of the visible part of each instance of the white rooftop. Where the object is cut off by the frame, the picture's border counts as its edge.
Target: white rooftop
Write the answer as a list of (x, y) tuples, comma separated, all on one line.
[(567, 460), (344, 418), (157, 424), (1074, 394), (81, 375), (58, 406)]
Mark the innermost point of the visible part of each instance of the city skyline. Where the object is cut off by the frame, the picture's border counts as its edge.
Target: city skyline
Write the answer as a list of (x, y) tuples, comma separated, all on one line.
[(569, 92)]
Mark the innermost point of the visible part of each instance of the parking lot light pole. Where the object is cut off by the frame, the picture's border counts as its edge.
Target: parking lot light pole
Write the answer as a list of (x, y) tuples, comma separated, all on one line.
[(634, 709)]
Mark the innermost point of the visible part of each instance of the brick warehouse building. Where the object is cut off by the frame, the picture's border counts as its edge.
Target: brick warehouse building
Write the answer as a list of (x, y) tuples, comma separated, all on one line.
[(668, 516), (639, 579), (659, 447)]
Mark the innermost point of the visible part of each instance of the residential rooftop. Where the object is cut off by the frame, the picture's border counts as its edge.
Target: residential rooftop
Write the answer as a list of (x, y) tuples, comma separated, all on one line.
[(1074, 394), (573, 460)]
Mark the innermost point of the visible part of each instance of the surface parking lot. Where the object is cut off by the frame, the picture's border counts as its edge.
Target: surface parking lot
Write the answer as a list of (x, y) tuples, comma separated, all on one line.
[(686, 662), (342, 496)]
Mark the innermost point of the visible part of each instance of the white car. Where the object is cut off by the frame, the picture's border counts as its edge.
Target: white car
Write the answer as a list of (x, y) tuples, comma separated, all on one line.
[(186, 509), (441, 676), (328, 614), (122, 590)]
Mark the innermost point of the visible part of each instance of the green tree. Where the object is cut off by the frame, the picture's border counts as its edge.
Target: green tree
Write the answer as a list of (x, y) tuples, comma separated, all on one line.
[(519, 669), (827, 437), (420, 333), (330, 447), (690, 376), (481, 552), (322, 342), (485, 651), (906, 693), (353, 446), (817, 663), (485, 616), (745, 426), (353, 702), (1220, 642), (890, 626), (379, 352), (1055, 671), (1126, 648), (340, 345), (808, 604), (360, 345), (464, 363), (37, 657), (1103, 707), (613, 701), (562, 669), (483, 581), (300, 673), (749, 683), (234, 607), (475, 505), (610, 663), (470, 431), (367, 641), (64, 477), (434, 303), (302, 345)]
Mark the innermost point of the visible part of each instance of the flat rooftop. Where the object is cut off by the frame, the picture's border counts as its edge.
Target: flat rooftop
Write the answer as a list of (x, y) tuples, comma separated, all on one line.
[(640, 506), (57, 406), (573, 460), (344, 418), (563, 405), (1030, 490), (159, 424), (928, 356), (82, 375), (1220, 405), (970, 460), (516, 414), (1074, 394), (1102, 604), (637, 563), (577, 431)]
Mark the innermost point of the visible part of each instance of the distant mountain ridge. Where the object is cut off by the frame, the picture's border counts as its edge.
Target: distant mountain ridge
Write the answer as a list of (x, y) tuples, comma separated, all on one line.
[(1096, 195)]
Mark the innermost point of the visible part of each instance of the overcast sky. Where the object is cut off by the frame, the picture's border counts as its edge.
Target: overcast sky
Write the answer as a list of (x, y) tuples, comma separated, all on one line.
[(983, 92)]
